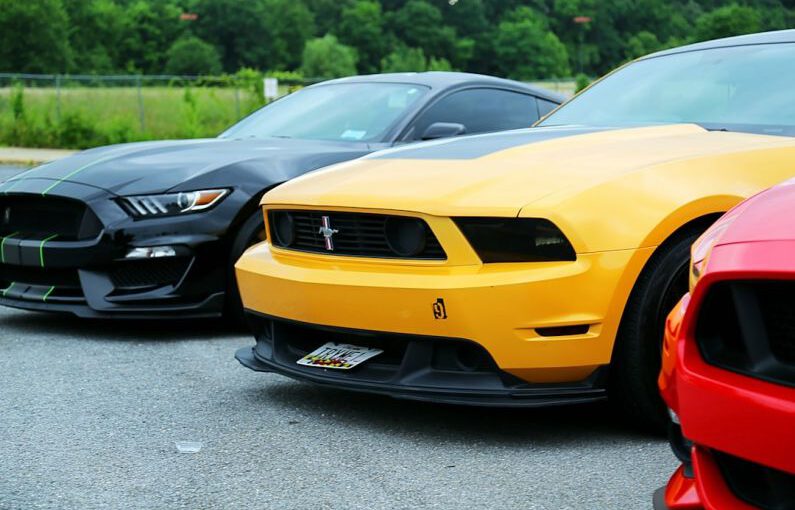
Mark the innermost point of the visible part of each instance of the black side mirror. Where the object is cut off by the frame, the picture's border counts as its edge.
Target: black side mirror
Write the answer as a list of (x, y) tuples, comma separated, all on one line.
[(443, 130)]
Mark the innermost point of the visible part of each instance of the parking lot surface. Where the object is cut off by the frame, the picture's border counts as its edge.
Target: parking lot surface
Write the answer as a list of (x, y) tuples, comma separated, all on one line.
[(90, 414)]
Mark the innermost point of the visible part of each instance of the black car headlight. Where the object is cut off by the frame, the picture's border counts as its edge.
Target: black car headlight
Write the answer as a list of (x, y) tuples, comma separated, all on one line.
[(172, 204), (516, 239)]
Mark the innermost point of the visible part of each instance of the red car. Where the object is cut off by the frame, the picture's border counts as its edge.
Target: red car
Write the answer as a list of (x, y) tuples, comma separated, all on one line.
[(728, 372)]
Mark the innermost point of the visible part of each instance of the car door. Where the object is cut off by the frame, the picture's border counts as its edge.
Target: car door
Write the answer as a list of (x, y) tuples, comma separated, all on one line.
[(478, 110)]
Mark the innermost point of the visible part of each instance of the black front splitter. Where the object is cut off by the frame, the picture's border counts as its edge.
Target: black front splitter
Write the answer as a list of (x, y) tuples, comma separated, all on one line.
[(547, 396)]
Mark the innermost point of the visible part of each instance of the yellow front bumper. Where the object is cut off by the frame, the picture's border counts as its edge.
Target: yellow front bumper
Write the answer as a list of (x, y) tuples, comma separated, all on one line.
[(499, 306)]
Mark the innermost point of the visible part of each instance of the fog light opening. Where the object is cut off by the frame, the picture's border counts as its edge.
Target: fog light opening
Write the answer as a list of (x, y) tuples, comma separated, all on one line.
[(154, 252)]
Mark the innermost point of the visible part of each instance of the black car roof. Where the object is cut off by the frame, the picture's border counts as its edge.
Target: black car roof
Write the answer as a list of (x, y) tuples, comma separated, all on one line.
[(441, 80), (779, 36)]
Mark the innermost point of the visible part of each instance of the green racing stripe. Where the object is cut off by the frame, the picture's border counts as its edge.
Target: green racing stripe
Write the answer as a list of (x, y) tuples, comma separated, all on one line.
[(47, 294), (3, 247), (41, 248), (5, 291)]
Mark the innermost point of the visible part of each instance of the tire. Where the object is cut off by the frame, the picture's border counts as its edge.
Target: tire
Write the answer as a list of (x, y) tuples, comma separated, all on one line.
[(250, 233), (637, 353)]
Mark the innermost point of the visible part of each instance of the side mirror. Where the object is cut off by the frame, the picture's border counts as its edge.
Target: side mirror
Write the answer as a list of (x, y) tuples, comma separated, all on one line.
[(443, 130)]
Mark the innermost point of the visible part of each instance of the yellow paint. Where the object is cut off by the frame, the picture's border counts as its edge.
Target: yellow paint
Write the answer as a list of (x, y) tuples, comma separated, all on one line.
[(616, 195)]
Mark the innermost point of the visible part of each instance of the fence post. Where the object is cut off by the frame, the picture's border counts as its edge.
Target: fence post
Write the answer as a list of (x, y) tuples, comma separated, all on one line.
[(140, 103), (237, 102), (58, 98)]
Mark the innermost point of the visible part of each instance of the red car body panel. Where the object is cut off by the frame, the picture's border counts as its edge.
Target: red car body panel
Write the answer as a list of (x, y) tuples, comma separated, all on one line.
[(721, 410)]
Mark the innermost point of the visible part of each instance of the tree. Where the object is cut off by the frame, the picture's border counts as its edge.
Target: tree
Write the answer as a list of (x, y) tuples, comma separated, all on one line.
[(362, 27), (94, 33), (149, 28), (326, 57), (291, 24), (527, 50), (405, 60), (191, 55), (419, 24), (642, 44), (727, 21), (34, 36)]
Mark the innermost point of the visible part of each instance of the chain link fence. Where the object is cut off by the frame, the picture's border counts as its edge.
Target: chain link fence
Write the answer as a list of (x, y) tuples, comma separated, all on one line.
[(79, 111)]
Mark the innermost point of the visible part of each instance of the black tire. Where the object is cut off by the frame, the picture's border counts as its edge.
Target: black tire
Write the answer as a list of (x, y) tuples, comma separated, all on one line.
[(636, 360), (250, 233)]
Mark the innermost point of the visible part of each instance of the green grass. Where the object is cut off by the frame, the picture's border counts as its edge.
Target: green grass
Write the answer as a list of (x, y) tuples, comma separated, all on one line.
[(90, 116), (95, 116)]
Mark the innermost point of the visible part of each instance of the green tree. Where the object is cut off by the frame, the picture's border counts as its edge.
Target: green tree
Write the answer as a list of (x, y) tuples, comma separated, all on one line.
[(362, 27), (94, 33), (419, 24), (326, 57), (728, 20), (34, 36), (292, 24), (527, 50), (641, 44), (405, 59), (149, 29), (191, 55)]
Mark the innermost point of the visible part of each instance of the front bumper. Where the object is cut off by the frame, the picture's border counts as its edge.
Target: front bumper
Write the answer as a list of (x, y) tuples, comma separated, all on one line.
[(442, 370), (543, 323), (91, 276)]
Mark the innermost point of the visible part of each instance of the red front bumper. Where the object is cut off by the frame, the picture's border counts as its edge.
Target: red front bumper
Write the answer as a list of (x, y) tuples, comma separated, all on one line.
[(719, 410)]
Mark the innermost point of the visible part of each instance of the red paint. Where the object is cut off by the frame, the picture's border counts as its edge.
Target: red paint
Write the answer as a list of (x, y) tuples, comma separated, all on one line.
[(718, 409)]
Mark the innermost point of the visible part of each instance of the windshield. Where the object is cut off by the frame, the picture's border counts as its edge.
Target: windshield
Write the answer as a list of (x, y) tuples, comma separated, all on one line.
[(745, 88), (356, 112)]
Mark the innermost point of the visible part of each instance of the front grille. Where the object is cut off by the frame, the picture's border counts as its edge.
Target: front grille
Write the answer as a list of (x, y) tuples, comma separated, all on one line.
[(357, 234), (145, 274), (39, 216), (30, 282), (758, 485), (749, 327)]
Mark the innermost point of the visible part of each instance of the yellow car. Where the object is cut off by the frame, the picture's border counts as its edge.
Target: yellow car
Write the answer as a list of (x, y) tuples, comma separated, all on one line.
[(533, 267)]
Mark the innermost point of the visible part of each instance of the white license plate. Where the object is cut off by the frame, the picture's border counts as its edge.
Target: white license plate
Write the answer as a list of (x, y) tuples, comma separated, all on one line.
[(338, 356)]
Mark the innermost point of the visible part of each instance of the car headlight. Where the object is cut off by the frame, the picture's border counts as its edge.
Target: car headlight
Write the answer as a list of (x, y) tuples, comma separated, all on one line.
[(702, 248), (516, 239), (172, 204)]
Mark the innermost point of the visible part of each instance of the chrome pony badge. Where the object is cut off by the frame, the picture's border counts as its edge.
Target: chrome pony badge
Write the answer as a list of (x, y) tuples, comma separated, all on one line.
[(327, 232)]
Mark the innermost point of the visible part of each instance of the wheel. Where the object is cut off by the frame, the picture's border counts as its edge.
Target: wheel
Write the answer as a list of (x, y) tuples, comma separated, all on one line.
[(250, 233), (637, 353)]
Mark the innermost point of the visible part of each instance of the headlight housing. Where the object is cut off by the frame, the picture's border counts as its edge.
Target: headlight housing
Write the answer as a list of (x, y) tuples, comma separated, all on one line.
[(516, 239), (702, 248), (172, 204)]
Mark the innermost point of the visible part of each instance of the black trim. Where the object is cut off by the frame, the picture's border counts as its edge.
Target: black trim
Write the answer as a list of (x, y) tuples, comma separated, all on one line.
[(413, 367)]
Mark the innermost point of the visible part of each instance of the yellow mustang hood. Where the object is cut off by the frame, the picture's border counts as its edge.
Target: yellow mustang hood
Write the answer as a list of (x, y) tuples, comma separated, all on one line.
[(498, 174)]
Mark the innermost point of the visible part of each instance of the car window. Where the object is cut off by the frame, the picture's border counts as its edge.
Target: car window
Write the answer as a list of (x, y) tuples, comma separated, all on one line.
[(544, 107), (480, 111), (738, 88), (353, 112)]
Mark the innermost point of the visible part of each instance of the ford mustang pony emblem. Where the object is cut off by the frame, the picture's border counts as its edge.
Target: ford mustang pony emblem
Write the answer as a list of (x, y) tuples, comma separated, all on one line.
[(327, 232)]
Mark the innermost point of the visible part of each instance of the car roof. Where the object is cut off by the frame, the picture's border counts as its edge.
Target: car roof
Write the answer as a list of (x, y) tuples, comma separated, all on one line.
[(442, 80), (776, 37)]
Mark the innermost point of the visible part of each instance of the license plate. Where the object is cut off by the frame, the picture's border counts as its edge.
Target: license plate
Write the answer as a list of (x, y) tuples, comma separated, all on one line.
[(338, 356)]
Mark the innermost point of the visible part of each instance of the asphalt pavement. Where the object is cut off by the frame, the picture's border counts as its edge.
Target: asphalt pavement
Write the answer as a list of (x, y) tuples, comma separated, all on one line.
[(90, 414)]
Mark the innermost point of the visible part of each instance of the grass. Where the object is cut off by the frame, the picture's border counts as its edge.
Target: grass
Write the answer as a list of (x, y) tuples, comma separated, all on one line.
[(82, 117)]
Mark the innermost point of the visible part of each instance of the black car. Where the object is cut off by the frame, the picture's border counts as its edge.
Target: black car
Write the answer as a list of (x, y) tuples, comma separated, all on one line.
[(153, 229)]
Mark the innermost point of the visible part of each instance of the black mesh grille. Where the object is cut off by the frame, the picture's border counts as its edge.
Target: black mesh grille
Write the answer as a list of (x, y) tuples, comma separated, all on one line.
[(361, 235), (143, 274), (758, 485), (749, 327), (41, 216)]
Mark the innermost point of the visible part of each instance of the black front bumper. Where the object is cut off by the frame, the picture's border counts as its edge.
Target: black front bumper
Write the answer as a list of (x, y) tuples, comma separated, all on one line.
[(86, 271), (444, 370)]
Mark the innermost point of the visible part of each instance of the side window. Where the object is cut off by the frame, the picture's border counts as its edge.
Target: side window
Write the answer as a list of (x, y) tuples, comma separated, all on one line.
[(544, 106), (480, 111)]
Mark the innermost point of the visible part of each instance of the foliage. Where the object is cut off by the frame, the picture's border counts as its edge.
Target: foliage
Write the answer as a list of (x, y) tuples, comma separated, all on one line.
[(190, 55), (405, 59), (526, 50), (580, 82), (327, 57), (519, 38)]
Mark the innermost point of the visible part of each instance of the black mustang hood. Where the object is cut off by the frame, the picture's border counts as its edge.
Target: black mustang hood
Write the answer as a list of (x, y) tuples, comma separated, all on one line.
[(181, 165)]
